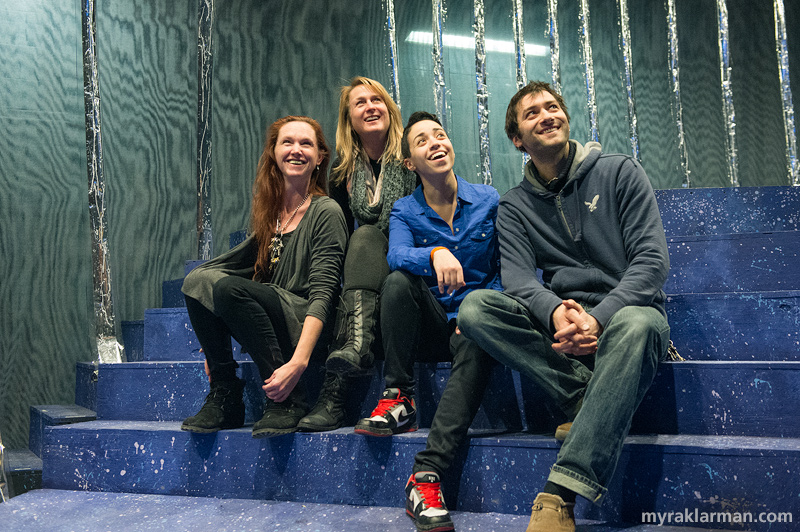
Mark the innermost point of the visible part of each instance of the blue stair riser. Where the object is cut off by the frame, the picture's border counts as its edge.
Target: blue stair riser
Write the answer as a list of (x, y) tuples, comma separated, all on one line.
[(42, 416), (706, 398), (169, 336), (133, 340), (714, 211), (497, 473), (171, 295), (723, 398), (173, 391), (752, 262), (732, 326), (736, 326)]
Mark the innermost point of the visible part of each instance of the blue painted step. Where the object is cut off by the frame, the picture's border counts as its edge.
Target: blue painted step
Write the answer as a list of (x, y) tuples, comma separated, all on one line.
[(706, 398), (133, 339), (717, 326), (173, 391), (724, 398), (171, 295), (494, 473), (42, 416), (753, 262), (168, 335), (703, 211), (714, 211), (23, 472), (90, 511), (736, 326)]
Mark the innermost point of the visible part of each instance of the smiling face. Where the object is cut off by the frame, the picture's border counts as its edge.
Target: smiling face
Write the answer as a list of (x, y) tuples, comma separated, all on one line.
[(543, 126), (431, 152), (368, 112), (296, 150)]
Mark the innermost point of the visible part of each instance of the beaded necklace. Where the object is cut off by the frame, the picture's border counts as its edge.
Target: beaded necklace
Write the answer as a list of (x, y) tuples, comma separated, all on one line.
[(276, 243)]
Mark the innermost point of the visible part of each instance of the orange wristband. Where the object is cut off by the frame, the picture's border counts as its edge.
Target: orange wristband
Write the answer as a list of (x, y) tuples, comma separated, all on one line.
[(434, 250)]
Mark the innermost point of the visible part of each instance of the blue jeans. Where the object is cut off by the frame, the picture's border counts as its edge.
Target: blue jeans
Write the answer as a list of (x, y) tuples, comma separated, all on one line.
[(628, 353)]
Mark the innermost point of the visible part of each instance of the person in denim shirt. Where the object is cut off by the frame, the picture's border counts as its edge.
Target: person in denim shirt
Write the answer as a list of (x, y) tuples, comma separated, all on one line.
[(442, 245), (591, 335)]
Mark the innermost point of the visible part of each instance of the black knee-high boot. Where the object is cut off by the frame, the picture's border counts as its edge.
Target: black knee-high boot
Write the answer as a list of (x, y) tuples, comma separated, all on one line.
[(361, 321)]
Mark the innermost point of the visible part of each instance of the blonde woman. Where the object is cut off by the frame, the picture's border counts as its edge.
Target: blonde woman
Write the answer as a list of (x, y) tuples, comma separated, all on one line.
[(367, 178)]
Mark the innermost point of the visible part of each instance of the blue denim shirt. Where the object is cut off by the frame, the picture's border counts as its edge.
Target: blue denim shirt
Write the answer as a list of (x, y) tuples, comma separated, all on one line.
[(415, 229)]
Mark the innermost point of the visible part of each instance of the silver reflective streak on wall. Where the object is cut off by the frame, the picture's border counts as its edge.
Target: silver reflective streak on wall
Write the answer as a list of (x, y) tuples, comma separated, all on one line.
[(479, 28), (786, 93), (588, 63), (729, 114), (519, 51), (625, 44), (677, 105), (519, 45), (205, 248), (108, 348), (439, 87), (392, 29), (552, 35)]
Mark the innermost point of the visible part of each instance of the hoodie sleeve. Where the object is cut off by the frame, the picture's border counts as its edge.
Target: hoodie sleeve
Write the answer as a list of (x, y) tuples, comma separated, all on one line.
[(644, 241), (518, 266)]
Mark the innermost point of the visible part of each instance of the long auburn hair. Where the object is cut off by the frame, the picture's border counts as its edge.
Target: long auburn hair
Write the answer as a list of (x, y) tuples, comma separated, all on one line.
[(348, 143), (269, 186)]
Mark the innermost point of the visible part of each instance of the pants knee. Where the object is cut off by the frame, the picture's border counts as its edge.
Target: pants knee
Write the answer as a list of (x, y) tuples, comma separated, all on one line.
[(367, 237), (639, 321), (396, 287), (645, 325), (228, 291), (475, 308)]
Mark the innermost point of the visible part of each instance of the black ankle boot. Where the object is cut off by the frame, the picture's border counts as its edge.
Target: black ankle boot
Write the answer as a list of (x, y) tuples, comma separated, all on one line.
[(223, 409), (362, 319), (280, 418), (328, 414)]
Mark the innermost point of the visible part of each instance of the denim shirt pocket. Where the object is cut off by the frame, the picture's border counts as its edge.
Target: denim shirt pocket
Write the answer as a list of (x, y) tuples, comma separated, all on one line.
[(483, 231), (425, 239)]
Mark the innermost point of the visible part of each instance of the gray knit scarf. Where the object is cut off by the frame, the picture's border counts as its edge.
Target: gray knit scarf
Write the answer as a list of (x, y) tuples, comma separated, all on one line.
[(398, 181)]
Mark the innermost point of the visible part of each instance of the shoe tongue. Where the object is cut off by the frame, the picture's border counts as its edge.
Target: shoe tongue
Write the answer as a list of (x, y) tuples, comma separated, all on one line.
[(391, 393), (426, 476)]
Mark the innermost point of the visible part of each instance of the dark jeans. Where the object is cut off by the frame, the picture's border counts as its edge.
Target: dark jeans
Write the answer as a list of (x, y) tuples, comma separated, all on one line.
[(415, 323), (251, 313)]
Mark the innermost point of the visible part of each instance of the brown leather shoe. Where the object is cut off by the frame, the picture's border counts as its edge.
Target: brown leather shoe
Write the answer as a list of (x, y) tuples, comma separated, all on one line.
[(551, 514), (562, 431)]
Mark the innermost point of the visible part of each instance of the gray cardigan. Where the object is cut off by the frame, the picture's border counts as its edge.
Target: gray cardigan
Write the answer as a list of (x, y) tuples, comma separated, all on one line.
[(307, 277)]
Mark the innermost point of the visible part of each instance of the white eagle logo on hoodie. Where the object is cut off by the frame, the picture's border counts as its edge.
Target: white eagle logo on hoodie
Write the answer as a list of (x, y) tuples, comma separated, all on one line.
[(593, 205)]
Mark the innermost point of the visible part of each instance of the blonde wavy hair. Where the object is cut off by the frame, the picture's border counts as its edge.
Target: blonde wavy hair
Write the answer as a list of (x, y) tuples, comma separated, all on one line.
[(269, 187), (348, 143)]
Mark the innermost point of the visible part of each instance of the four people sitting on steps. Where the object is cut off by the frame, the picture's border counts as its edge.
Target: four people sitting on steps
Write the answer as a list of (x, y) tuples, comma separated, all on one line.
[(589, 333)]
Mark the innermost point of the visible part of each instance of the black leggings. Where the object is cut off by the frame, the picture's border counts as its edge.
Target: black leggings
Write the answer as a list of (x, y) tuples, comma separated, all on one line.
[(251, 313)]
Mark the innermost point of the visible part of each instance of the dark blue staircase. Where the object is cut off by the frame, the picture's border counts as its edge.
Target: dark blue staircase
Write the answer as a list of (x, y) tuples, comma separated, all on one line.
[(717, 435)]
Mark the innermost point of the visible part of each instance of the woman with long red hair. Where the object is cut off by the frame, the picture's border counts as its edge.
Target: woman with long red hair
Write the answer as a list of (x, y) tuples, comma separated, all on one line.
[(275, 292)]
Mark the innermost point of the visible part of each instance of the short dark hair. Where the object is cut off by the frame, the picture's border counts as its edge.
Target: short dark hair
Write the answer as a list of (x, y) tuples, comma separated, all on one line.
[(417, 116), (533, 87)]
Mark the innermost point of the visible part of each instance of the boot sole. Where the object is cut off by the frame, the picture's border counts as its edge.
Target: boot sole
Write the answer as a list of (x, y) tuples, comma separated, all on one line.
[(269, 433), (441, 527), (200, 430), (205, 430), (345, 367), (308, 427)]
